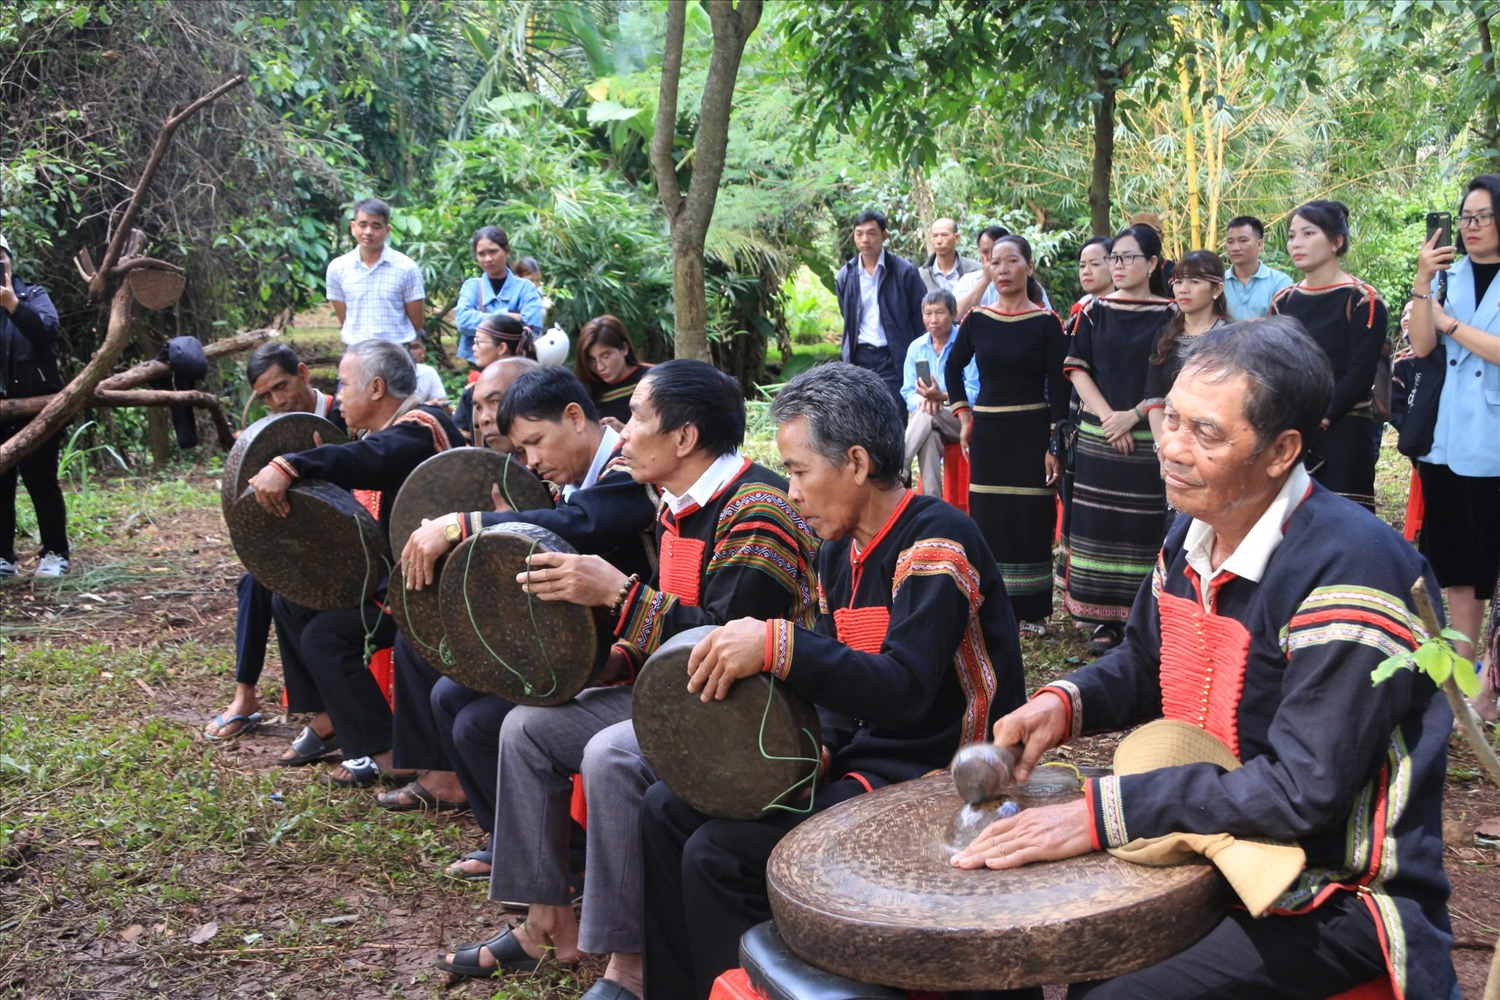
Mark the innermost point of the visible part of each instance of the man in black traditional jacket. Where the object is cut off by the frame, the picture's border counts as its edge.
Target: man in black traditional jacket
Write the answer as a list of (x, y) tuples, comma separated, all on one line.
[(730, 544), (282, 384), (602, 510), (323, 653), (915, 639)]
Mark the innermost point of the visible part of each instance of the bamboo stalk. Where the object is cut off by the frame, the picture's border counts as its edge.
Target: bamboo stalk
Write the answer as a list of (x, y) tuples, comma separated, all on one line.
[(1468, 722)]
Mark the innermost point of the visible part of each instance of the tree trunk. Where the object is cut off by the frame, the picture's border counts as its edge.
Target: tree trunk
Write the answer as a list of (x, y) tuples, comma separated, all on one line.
[(1104, 162), (1491, 112), (689, 216)]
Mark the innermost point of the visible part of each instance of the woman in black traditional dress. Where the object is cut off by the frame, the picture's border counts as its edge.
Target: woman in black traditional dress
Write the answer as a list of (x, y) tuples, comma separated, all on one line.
[(1118, 510), (1020, 346), (1348, 320), (605, 362), (1198, 290)]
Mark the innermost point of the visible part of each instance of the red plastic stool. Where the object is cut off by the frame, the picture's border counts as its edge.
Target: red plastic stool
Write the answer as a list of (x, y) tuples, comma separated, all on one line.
[(956, 476), (1416, 508), (385, 675), (735, 985), (1375, 989), (578, 808)]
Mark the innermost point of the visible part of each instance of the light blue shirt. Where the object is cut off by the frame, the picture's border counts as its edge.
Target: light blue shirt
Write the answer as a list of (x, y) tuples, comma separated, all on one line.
[(921, 349), (966, 284), (478, 298), (870, 330), (1467, 435), (1252, 299)]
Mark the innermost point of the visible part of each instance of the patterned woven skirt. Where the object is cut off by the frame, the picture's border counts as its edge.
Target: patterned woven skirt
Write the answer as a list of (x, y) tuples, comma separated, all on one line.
[(1011, 502), (1117, 519)]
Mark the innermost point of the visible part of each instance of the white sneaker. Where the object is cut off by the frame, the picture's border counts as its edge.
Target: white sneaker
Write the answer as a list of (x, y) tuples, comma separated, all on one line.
[(51, 565), (7, 569)]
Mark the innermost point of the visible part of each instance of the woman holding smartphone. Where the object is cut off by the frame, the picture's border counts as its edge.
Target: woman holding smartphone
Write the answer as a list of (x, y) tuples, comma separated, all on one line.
[(1006, 427), (1461, 473), (1348, 320), (1118, 510)]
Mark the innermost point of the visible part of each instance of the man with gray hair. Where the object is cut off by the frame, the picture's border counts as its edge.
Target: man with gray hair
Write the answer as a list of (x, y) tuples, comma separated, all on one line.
[(922, 649), (930, 423), (1273, 602), (323, 652)]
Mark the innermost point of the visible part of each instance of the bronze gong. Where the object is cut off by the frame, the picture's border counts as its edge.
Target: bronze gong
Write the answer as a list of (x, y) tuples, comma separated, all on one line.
[(328, 554), (502, 640), (455, 480), (866, 890), (736, 758), (268, 437)]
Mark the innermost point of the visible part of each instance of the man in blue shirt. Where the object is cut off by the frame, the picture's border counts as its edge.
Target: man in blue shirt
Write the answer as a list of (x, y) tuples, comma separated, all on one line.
[(497, 290), (1250, 284), (930, 423)]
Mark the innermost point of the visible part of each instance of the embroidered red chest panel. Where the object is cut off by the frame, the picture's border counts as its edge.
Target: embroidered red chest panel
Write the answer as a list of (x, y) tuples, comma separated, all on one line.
[(681, 567), (862, 628), (1203, 659)]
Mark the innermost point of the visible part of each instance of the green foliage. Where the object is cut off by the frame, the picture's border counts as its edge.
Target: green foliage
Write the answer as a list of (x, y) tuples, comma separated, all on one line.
[(1435, 658), (811, 311)]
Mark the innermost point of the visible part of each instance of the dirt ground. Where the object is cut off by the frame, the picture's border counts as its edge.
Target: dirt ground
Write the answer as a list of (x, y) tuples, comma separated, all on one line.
[(110, 876)]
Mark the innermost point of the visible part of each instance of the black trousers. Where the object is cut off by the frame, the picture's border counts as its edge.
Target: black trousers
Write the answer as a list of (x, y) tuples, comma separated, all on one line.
[(880, 361), (324, 663), (468, 723), (1312, 957), (39, 472), (416, 742), (706, 886), (252, 630)]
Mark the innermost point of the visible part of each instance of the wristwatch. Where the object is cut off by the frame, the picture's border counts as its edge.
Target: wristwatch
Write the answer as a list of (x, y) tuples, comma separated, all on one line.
[(452, 531)]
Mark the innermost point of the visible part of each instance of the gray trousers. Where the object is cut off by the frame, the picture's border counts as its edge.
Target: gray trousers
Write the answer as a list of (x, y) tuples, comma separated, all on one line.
[(925, 437), (540, 751), (615, 779)]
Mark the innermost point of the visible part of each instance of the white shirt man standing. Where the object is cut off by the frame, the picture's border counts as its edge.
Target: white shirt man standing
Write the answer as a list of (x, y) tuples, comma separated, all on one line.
[(945, 267), (376, 292), (1250, 284)]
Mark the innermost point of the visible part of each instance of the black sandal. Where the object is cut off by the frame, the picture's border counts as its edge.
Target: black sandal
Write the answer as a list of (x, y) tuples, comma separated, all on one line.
[(364, 771), (421, 799), (1105, 638), (309, 748), (504, 946)]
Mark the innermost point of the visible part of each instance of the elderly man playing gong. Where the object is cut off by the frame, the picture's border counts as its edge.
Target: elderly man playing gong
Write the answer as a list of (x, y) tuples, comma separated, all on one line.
[(323, 654), (915, 639), (1272, 602)]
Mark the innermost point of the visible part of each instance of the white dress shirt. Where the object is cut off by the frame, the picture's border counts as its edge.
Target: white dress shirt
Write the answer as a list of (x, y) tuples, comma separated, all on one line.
[(714, 478), (870, 330), (1248, 560), (607, 445)]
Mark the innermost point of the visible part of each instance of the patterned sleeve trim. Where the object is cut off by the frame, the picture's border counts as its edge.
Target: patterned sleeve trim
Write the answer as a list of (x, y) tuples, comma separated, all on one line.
[(285, 468), (962, 406), (1108, 813), (779, 634), (470, 524), (643, 617), (1154, 403), (1072, 698), (1353, 614)]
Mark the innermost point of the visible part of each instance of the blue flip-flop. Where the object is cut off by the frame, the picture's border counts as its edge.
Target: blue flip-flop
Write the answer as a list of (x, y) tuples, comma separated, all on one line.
[(248, 723)]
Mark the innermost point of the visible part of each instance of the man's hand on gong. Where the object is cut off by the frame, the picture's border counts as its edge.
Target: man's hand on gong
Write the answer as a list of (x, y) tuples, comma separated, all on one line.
[(1035, 727), (729, 653), (270, 488), (1047, 833), (559, 576), (424, 548)]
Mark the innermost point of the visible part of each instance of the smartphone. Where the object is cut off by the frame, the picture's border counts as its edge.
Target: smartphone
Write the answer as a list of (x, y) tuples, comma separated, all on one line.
[(1442, 224), (924, 371)]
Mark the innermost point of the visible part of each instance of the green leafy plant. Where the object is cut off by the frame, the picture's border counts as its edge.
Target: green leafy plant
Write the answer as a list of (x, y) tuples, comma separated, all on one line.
[(1437, 660), (73, 461)]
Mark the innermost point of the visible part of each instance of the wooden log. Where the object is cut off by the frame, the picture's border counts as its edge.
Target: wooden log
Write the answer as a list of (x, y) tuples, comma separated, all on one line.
[(165, 397), (146, 371)]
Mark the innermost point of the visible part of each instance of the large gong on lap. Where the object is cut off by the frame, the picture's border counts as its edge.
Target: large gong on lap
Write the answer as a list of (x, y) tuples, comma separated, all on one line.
[(328, 554), (268, 437), (504, 642), (459, 479), (865, 890), (733, 759)]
